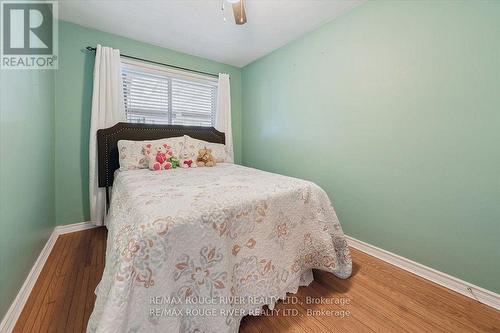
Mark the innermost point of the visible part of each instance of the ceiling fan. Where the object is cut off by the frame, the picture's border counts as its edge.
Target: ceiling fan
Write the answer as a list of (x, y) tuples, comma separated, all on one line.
[(240, 17)]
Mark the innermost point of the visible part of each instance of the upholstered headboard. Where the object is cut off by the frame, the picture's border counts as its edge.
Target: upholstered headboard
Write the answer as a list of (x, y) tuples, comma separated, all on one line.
[(107, 142)]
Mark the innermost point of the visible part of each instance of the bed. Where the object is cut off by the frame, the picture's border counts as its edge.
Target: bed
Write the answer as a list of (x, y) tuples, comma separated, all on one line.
[(194, 250)]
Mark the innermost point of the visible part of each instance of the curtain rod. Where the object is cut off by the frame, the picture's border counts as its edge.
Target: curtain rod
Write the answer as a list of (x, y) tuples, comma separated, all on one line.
[(92, 49)]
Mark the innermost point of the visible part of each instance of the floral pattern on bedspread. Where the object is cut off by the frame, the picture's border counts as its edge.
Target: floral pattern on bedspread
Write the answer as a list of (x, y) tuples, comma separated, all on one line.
[(228, 234)]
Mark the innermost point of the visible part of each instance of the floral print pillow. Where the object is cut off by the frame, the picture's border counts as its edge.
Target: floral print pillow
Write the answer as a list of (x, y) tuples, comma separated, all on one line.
[(218, 149), (132, 156)]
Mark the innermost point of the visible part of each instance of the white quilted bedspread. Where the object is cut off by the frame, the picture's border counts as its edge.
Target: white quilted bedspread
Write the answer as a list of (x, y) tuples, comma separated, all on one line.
[(193, 250)]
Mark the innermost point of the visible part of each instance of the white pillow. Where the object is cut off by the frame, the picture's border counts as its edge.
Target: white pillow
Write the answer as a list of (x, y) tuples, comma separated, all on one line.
[(131, 153), (218, 149)]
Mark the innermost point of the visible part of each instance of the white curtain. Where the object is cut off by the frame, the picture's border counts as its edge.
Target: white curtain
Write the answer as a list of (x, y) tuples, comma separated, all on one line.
[(223, 116), (107, 110)]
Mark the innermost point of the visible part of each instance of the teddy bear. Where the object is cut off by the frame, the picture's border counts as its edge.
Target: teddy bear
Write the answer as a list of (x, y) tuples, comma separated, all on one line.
[(205, 158), (186, 159), (160, 157)]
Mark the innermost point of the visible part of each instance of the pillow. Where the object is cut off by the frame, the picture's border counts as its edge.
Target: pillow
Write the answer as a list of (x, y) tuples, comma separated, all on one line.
[(131, 153), (193, 146)]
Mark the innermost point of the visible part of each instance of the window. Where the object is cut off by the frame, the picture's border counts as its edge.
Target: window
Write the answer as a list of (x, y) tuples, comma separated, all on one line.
[(156, 94)]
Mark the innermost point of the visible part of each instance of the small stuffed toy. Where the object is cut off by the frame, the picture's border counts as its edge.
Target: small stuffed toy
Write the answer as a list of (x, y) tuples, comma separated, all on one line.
[(186, 159), (160, 157), (205, 158), (174, 161)]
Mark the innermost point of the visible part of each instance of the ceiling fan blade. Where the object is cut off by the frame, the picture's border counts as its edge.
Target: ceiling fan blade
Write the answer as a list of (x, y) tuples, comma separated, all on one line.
[(240, 17)]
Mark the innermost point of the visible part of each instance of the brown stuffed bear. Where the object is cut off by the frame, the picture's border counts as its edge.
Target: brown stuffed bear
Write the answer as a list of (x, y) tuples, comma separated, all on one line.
[(205, 158)]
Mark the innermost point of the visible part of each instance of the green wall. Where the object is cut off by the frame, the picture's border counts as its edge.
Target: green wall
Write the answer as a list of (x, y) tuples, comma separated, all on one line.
[(394, 109), (73, 104), (26, 174)]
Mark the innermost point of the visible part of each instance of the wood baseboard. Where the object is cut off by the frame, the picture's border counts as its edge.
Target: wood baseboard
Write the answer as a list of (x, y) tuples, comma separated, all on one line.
[(477, 293), (9, 320)]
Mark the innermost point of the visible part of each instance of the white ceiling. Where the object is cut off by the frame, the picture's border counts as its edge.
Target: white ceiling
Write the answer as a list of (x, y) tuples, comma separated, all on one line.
[(197, 27)]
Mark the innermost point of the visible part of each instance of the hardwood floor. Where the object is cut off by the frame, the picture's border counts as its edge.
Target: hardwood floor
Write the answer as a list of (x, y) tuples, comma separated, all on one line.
[(63, 296), (377, 298)]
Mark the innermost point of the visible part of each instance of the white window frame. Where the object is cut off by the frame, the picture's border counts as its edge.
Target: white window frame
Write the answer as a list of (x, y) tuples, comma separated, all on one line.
[(176, 74)]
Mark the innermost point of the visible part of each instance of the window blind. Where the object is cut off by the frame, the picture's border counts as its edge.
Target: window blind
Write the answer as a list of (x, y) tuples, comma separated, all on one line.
[(156, 94)]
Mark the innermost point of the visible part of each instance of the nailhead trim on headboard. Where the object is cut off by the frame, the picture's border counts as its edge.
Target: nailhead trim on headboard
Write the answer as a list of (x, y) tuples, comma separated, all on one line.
[(107, 140)]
